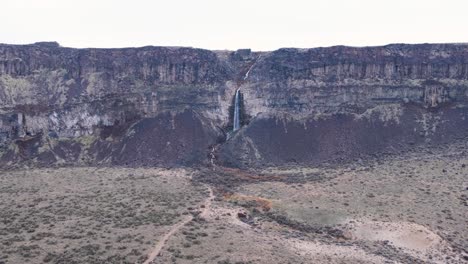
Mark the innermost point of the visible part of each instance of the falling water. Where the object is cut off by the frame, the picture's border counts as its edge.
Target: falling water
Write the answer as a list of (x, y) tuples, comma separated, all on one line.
[(236, 123)]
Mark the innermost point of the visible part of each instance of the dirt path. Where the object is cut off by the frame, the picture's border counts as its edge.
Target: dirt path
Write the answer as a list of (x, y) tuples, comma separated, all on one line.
[(159, 246), (208, 201)]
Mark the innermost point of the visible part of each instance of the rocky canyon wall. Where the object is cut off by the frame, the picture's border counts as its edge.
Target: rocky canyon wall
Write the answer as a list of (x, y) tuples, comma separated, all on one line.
[(173, 106)]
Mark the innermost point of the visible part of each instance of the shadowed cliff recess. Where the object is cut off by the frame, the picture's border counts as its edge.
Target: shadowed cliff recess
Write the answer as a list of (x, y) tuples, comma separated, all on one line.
[(170, 106)]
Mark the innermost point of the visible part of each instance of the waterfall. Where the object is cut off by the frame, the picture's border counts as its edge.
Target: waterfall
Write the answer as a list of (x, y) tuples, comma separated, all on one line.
[(236, 121)]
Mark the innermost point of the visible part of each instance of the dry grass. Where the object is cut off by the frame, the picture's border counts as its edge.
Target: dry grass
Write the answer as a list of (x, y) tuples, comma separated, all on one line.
[(257, 202)]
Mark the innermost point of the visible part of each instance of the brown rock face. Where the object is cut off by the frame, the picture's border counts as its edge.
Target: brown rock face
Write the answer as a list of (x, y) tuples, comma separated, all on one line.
[(162, 105), (342, 103)]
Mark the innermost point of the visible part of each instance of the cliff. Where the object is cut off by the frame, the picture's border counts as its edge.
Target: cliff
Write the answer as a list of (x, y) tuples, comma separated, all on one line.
[(171, 105)]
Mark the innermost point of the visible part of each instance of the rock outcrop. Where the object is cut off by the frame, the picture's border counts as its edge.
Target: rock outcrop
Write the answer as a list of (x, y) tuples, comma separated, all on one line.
[(171, 105)]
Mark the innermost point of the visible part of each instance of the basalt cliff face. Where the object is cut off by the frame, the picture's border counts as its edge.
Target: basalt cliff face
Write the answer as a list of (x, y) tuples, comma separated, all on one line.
[(174, 106)]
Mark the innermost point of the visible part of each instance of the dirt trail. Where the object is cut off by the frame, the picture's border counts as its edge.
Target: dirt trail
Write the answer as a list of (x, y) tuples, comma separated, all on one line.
[(159, 246), (208, 201)]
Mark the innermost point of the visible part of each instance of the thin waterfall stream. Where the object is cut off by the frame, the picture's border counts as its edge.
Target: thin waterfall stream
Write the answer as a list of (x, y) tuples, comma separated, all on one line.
[(236, 121)]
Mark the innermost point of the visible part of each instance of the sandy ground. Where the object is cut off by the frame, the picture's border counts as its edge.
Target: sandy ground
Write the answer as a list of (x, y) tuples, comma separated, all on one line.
[(402, 209), (406, 209), (162, 241), (90, 215), (413, 239)]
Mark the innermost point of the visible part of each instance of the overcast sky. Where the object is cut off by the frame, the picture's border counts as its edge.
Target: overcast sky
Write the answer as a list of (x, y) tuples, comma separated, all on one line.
[(222, 24)]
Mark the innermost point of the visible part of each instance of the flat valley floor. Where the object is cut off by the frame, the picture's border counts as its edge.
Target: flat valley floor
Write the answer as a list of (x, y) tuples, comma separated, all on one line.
[(410, 208)]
